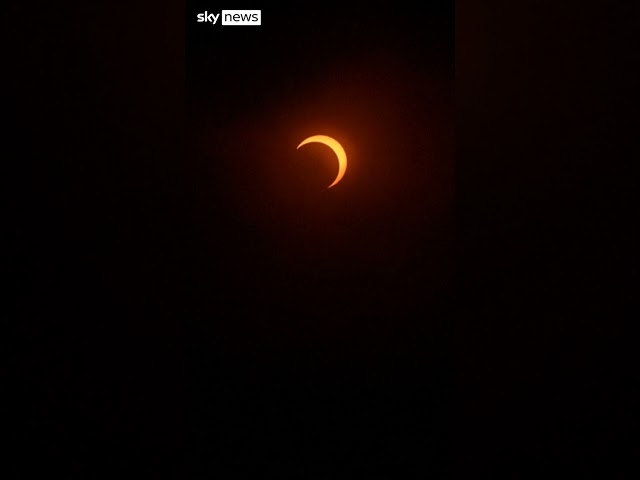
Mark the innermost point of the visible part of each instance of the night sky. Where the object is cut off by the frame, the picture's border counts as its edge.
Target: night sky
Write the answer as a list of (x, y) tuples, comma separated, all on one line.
[(323, 349), (193, 302)]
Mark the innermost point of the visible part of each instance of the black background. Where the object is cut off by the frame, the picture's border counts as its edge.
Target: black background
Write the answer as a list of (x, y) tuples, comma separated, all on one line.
[(125, 362)]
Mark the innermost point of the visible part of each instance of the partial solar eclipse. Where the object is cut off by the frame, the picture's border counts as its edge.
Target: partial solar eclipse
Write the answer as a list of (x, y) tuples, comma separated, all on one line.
[(337, 149)]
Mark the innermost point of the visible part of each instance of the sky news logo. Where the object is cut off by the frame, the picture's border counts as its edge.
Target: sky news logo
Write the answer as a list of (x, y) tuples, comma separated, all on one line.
[(232, 17)]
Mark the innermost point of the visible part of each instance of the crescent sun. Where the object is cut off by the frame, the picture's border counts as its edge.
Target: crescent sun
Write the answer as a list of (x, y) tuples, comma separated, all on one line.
[(337, 149)]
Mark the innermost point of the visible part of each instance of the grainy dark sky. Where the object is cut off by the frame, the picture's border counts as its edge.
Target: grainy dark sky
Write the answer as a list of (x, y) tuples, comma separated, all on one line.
[(323, 312)]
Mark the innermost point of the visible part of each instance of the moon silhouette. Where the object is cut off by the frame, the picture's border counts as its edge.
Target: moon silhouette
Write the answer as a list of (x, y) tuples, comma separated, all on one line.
[(337, 149)]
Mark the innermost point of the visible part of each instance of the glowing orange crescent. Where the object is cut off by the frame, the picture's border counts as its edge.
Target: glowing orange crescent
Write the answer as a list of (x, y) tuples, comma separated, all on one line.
[(337, 149)]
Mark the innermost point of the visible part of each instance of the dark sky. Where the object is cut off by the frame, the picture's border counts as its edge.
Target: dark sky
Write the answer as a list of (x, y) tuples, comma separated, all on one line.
[(334, 332), (192, 301)]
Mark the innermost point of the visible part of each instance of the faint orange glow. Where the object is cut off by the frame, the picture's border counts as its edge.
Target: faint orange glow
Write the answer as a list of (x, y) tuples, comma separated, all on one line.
[(337, 149)]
